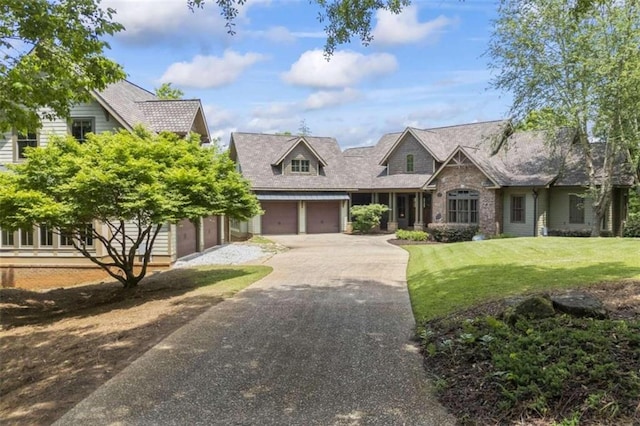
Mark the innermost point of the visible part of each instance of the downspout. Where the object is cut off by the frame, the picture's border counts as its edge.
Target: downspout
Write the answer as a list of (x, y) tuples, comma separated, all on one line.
[(535, 212)]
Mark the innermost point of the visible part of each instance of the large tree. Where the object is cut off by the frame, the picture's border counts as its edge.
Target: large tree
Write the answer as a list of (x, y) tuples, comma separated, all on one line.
[(51, 56), (129, 185), (582, 70), (343, 19)]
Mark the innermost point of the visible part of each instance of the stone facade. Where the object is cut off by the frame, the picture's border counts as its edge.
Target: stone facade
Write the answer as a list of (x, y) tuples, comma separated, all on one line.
[(466, 177)]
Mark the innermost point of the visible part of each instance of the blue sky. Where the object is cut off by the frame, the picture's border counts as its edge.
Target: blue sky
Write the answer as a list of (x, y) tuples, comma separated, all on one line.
[(424, 68)]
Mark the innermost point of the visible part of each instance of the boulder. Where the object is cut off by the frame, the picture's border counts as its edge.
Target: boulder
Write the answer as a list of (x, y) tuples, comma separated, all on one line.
[(579, 304), (534, 307)]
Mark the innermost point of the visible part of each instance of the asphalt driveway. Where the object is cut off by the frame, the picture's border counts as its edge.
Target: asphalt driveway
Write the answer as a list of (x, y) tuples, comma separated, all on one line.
[(324, 340)]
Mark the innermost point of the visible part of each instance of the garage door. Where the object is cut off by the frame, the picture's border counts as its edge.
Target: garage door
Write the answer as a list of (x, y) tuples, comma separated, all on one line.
[(323, 217), (280, 217), (210, 228), (185, 238)]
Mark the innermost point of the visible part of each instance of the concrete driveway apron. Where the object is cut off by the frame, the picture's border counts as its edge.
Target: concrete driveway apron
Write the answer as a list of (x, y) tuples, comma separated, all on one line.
[(323, 340)]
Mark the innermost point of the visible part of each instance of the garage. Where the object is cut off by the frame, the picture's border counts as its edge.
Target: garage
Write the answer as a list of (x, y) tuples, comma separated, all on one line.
[(280, 217), (210, 228), (323, 217), (185, 238)]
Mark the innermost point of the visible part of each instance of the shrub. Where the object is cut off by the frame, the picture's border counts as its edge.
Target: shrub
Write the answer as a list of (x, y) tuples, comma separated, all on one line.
[(632, 226), (366, 218), (403, 234), (569, 232), (452, 232)]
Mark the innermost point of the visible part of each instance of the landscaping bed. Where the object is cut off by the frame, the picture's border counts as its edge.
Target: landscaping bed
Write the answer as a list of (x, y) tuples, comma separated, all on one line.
[(58, 346)]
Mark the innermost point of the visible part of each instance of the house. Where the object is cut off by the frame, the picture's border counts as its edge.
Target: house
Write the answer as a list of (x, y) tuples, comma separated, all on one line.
[(121, 105), (482, 174)]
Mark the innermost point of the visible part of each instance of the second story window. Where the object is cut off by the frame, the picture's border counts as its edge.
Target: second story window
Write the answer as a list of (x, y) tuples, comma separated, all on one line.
[(80, 127), (410, 163), (24, 140), (300, 166)]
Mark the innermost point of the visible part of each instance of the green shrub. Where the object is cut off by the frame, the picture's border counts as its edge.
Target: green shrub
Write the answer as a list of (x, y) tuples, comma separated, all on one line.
[(365, 218), (632, 226), (404, 234), (569, 232), (452, 232)]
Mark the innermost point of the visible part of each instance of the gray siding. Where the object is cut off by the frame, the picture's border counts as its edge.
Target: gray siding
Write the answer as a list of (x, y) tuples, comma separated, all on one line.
[(301, 152), (559, 210), (422, 160), (525, 229)]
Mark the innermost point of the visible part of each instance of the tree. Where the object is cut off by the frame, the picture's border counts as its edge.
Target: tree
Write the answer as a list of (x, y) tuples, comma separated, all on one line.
[(344, 19), (130, 184), (51, 56), (304, 129), (578, 69), (166, 92), (366, 217)]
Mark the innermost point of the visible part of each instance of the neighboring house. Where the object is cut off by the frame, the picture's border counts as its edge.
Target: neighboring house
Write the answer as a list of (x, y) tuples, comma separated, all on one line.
[(122, 105), (452, 174)]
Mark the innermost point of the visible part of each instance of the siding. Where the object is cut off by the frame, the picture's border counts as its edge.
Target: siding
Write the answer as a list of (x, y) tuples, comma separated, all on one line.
[(422, 160), (6, 148), (520, 229), (161, 246), (300, 152), (559, 209)]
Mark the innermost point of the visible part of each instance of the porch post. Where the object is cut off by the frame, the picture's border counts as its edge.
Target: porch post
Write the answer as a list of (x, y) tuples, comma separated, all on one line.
[(418, 225), (392, 225)]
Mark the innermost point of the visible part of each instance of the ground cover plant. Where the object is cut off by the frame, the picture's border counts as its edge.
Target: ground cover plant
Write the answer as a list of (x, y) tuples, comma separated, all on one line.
[(58, 346), (490, 368)]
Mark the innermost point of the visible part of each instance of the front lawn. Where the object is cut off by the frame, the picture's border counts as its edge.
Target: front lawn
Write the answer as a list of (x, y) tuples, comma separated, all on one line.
[(491, 368), (443, 278)]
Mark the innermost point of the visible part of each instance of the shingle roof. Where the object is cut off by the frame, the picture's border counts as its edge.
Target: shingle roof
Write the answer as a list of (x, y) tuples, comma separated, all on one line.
[(255, 153), (171, 115), (132, 105), (524, 159)]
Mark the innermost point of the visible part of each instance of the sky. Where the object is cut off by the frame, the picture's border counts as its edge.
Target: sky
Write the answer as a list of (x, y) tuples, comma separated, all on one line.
[(425, 67)]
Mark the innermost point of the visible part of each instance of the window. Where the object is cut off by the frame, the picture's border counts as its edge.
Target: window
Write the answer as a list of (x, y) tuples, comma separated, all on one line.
[(518, 209), (463, 206), (46, 236), (576, 209), (7, 238), (26, 237), (65, 239), (86, 234), (83, 235), (30, 139), (300, 166), (80, 127), (410, 163)]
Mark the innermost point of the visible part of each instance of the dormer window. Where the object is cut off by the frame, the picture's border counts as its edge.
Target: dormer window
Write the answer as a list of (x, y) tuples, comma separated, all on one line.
[(300, 166), (409, 163), (80, 127)]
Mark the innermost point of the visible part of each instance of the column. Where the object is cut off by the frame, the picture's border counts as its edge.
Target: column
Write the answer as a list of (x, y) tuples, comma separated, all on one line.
[(392, 225)]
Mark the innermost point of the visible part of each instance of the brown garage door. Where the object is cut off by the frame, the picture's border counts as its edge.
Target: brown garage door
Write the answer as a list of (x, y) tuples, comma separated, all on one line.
[(323, 217), (280, 217), (185, 238), (210, 227)]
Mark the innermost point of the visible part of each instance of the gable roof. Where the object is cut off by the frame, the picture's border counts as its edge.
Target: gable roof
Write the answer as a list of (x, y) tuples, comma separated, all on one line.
[(254, 151), (130, 105), (464, 151), (409, 131), (286, 150)]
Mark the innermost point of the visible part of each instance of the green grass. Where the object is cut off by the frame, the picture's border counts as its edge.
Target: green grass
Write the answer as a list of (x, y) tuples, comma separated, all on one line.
[(225, 280), (445, 278)]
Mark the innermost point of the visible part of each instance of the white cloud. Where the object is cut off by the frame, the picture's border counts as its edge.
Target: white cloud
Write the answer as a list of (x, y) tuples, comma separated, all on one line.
[(153, 21), (345, 68), (210, 71), (405, 28), (325, 98), (279, 35), (217, 116)]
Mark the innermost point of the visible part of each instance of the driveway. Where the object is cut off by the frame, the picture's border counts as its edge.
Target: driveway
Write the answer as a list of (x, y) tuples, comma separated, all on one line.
[(323, 340)]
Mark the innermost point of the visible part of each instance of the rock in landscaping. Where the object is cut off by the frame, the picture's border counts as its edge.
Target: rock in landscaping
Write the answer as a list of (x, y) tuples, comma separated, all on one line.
[(534, 307), (579, 305)]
